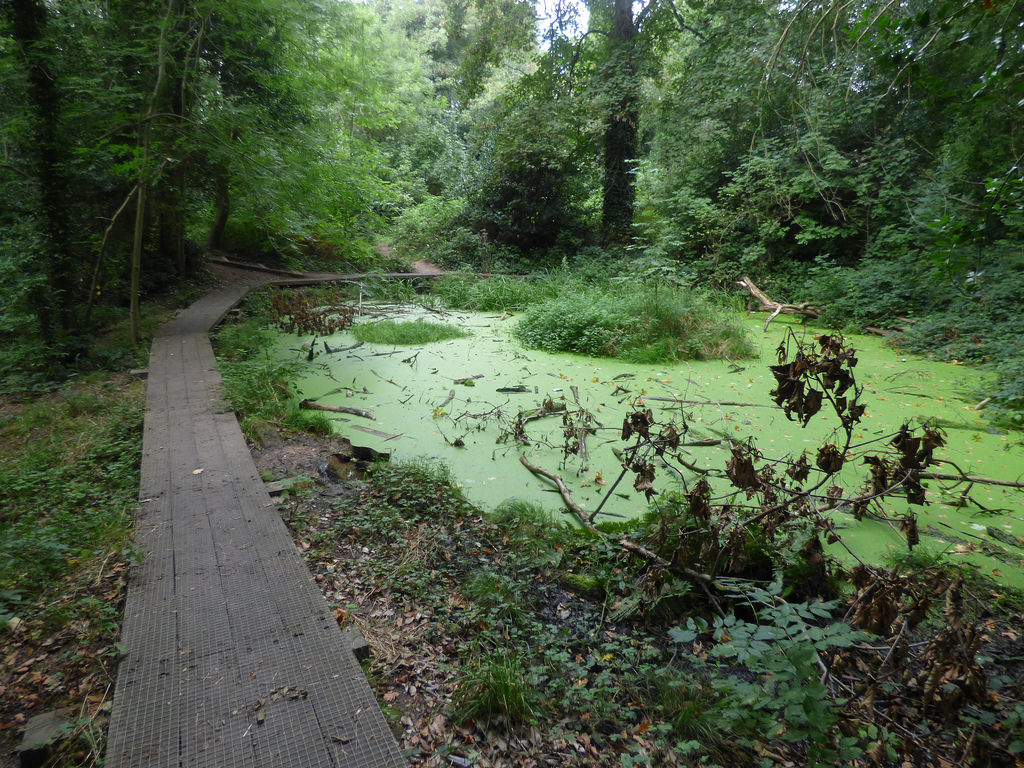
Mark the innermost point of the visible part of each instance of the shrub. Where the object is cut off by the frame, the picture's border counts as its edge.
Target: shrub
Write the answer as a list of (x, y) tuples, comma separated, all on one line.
[(636, 323)]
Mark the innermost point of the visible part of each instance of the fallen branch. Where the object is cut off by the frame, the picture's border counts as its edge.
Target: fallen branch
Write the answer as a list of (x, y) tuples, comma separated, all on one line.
[(706, 581), (375, 432), (451, 396), (573, 507), (549, 408), (731, 403), (467, 379), (776, 308), (435, 310), (349, 348), (962, 478), (309, 405)]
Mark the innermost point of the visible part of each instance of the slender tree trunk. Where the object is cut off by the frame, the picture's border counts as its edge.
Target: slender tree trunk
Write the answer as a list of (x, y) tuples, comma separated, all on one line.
[(147, 174), (620, 135), (137, 241)]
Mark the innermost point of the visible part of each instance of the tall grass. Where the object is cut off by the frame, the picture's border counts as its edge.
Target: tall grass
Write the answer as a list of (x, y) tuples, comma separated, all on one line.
[(500, 293), (399, 334), (635, 322)]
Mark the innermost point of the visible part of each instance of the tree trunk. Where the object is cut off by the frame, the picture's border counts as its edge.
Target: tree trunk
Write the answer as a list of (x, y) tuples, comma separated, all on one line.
[(620, 135), (222, 201), (147, 173), (137, 240), (28, 20), (172, 205)]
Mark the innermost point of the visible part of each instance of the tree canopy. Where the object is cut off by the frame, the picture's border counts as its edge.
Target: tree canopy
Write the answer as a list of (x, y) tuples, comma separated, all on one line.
[(865, 154)]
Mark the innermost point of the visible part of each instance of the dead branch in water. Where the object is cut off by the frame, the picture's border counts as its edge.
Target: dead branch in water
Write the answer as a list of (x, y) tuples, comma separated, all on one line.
[(451, 396), (576, 509), (776, 308), (962, 478), (309, 405)]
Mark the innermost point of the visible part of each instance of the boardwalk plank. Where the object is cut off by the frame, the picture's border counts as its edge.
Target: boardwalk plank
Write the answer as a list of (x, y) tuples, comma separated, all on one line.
[(232, 657)]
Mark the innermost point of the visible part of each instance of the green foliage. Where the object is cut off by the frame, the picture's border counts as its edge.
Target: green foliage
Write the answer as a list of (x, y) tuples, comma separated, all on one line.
[(527, 195), (406, 333), (430, 229), (247, 125), (493, 294), (634, 322), (786, 698), (495, 682), (420, 489), (68, 480)]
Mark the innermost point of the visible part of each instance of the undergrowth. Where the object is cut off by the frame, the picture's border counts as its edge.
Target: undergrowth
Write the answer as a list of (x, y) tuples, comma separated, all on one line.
[(642, 676), (69, 474), (69, 477), (635, 322), (499, 293), (257, 387)]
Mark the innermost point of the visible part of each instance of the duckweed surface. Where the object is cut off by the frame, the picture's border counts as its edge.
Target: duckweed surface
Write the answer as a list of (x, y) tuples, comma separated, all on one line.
[(453, 400)]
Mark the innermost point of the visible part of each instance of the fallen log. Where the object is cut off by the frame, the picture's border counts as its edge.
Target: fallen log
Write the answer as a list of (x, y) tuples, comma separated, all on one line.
[(309, 405), (776, 308)]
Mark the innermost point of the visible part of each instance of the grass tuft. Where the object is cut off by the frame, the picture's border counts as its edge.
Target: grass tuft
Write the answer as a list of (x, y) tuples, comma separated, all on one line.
[(492, 685), (500, 293), (389, 332)]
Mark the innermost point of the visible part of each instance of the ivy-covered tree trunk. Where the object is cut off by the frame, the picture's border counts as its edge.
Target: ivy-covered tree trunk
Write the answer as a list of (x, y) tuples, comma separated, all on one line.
[(620, 134), (54, 299)]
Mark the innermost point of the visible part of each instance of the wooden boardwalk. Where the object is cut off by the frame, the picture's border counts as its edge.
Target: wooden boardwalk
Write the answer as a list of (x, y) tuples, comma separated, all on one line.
[(232, 657)]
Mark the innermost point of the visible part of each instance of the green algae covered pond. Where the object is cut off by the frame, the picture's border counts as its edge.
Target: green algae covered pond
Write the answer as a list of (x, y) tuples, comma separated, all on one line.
[(454, 401)]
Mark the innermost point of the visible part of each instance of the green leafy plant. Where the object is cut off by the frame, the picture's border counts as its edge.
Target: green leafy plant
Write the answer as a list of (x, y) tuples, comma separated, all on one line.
[(784, 648)]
